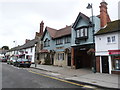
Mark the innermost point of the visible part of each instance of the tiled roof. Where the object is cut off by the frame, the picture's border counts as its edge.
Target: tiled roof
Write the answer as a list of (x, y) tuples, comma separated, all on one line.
[(51, 31), (30, 43), (78, 17), (15, 48), (63, 32), (54, 33), (113, 26)]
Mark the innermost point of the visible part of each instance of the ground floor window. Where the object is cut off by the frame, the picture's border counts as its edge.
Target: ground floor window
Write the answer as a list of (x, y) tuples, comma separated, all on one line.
[(60, 56), (115, 62), (29, 57)]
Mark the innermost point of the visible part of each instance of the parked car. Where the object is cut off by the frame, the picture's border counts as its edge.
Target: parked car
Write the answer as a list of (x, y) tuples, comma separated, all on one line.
[(3, 59), (12, 60), (22, 63)]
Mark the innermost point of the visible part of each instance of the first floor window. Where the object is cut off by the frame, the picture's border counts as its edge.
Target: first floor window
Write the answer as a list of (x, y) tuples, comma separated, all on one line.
[(82, 32), (108, 39), (67, 40), (113, 38), (59, 41), (47, 43)]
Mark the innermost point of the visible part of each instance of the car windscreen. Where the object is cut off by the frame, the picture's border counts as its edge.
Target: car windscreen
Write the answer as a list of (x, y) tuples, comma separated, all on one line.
[(19, 60), (25, 60)]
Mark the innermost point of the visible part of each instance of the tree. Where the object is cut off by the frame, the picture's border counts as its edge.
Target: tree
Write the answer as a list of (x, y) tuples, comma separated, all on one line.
[(5, 48)]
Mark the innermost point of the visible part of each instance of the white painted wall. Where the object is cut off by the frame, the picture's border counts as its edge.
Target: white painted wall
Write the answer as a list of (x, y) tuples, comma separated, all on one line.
[(102, 46), (31, 53)]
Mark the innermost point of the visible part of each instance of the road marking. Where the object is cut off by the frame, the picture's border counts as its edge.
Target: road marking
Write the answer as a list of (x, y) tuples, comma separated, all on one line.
[(62, 80)]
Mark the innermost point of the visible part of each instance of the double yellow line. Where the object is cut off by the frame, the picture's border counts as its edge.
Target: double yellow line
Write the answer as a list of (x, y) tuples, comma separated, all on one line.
[(62, 80)]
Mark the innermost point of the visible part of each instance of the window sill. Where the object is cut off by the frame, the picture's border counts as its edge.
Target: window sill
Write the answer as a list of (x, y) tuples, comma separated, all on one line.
[(111, 43), (85, 37)]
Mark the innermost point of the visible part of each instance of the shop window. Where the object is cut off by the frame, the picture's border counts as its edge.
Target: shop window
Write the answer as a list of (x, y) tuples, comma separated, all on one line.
[(60, 56), (116, 62)]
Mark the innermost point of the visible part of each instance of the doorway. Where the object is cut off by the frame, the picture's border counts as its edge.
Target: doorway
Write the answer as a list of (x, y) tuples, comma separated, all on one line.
[(69, 59), (105, 64)]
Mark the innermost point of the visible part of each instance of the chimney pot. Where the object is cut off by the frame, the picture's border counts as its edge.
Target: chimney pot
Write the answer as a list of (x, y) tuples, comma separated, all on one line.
[(41, 27), (104, 17)]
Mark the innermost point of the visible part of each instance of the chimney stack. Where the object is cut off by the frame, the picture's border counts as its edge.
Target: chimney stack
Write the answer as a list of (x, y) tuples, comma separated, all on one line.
[(27, 40), (104, 17), (41, 27)]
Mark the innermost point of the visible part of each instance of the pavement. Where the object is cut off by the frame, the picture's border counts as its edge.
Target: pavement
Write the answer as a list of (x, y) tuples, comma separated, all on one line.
[(85, 76)]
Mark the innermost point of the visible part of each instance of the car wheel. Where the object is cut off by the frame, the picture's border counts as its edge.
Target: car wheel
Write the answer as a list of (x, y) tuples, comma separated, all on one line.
[(18, 65), (28, 66)]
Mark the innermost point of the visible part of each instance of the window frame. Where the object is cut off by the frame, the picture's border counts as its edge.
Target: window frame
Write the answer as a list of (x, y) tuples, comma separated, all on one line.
[(47, 43), (59, 41), (82, 33), (67, 39)]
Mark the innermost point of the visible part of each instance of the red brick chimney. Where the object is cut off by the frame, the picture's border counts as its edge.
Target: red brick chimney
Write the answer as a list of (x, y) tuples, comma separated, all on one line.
[(41, 28), (104, 17), (27, 40)]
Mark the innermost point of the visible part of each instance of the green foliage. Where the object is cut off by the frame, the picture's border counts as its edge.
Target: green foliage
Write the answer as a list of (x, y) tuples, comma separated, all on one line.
[(47, 60), (5, 47)]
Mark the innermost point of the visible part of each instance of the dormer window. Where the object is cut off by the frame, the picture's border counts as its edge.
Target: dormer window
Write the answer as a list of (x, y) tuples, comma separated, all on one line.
[(82, 33), (47, 43)]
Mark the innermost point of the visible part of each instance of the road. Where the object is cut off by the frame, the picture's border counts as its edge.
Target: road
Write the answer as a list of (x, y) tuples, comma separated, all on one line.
[(14, 77)]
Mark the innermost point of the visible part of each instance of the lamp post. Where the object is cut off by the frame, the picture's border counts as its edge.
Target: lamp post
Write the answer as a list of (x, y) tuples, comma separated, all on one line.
[(15, 42), (93, 53), (35, 55)]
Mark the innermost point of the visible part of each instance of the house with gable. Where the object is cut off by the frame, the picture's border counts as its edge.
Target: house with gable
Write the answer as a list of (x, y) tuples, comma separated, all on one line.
[(48, 46), (107, 48), (107, 43), (82, 40), (57, 45)]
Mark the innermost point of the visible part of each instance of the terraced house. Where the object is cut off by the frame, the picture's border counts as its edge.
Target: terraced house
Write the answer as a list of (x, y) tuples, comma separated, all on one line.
[(82, 40), (57, 46), (108, 55)]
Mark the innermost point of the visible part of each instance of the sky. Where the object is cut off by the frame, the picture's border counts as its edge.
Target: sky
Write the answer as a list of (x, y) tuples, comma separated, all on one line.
[(20, 19)]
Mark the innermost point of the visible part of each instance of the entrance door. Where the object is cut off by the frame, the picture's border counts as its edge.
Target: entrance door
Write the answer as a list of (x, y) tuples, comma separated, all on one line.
[(52, 57), (69, 59), (105, 65)]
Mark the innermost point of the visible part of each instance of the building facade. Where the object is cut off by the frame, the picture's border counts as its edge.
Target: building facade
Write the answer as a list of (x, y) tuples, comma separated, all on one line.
[(57, 46), (82, 40), (108, 48)]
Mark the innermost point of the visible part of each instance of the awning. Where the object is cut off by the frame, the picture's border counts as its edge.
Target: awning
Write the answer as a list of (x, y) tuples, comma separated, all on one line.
[(114, 52)]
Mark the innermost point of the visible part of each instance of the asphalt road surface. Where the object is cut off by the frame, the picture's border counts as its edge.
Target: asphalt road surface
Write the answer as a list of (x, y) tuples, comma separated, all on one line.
[(14, 77)]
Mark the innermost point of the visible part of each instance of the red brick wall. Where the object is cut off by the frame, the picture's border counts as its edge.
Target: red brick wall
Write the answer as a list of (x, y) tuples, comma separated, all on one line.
[(98, 63), (116, 72)]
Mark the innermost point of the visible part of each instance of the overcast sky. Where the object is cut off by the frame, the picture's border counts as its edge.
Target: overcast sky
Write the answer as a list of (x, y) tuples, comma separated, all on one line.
[(19, 19)]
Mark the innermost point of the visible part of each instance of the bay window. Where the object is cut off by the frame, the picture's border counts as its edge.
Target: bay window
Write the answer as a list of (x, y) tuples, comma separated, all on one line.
[(82, 33)]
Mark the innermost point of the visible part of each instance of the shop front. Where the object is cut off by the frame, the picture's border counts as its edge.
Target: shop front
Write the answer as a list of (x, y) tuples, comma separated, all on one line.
[(115, 61), (81, 58)]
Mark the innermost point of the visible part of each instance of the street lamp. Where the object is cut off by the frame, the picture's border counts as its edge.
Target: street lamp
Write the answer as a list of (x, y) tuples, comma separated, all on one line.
[(35, 55), (93, 53), (15, 43)]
